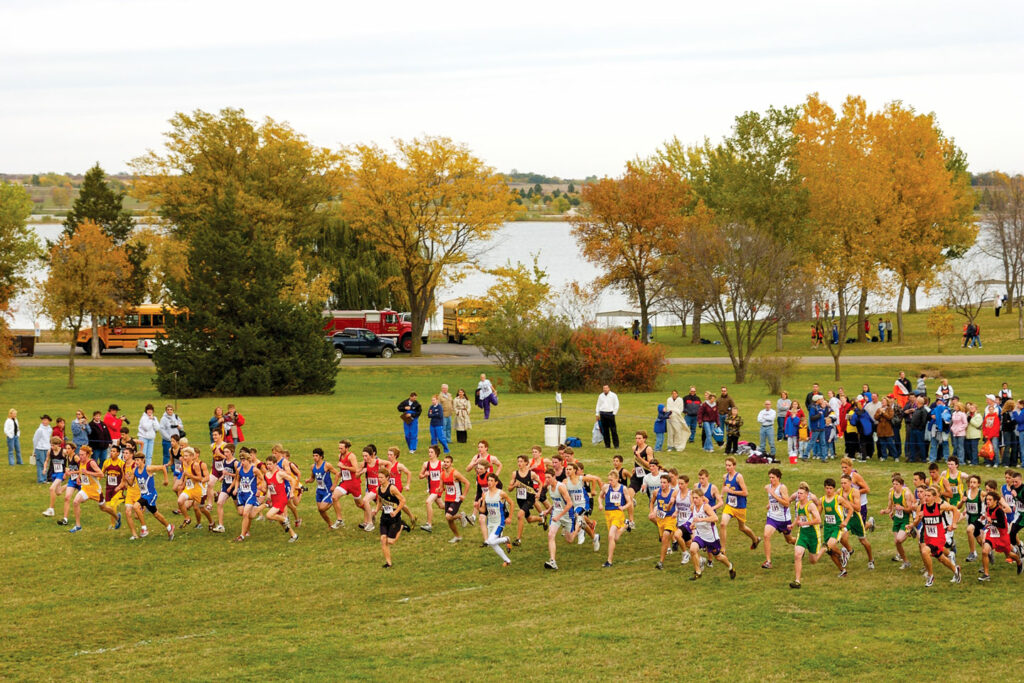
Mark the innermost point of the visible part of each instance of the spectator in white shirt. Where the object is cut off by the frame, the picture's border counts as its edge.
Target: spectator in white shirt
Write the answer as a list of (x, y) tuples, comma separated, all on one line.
[(170, 425), (766, 423), (41, 446), (678, 430), (148, 427), (486, 396), (606, 410), (12, 430)]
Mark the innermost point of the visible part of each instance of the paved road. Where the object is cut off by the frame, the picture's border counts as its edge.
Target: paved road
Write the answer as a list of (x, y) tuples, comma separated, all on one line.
[(55, 355)]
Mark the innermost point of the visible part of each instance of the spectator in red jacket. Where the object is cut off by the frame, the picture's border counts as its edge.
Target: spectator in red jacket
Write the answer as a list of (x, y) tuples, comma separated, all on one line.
[(114, 422), (708, 418), (233, 422)]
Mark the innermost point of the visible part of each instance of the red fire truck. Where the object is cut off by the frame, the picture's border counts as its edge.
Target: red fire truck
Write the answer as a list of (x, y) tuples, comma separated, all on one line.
[(386, 323)]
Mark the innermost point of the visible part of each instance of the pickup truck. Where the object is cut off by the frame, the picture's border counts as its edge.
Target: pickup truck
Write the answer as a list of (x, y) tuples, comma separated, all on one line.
[(357, 341)]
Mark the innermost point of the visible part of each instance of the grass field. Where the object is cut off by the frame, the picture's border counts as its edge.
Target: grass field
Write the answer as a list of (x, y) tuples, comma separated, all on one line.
[(998, 335), (93, 605)]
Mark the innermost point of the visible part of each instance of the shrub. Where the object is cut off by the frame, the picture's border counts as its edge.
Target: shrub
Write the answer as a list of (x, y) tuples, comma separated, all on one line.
[(774, 370), (611, 357)]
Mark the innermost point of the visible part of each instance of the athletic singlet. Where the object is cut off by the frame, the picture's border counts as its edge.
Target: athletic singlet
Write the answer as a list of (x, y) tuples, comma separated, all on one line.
[(614, 498), (934, 532), (176, 464), (246, 482), (57, 463), (113, 471), (803, 516), (664, 503), (863, 496), (707, 531), (708, 494), (831, 511), (996, 524), (346, 475), (229, 473), (495, 510), (373, 476), (684, 507), (1010, 496), (88, 481), (639, 471), (900, 499), (734, 500), (322, 477), (853, 495), (576, 494), (452, 488), (557, 501), (389, 501), (395, 477), (775, 509), (276, 490), (147, 487), (537, 466), (972, 506), (434, 477), (524, 492), (218, 463), (956, 485), (72, 472), (560, 476)]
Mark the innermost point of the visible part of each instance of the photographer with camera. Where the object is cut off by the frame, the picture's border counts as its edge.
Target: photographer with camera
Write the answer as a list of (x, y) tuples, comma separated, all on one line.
[(233, 423)]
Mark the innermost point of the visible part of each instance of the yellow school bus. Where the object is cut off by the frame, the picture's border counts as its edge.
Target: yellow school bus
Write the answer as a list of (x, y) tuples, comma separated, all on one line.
[(461, 319), (145, 321)]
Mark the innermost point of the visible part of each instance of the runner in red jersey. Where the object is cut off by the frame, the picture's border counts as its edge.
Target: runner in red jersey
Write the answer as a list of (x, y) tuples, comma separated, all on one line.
[(997, 535), (397, 472), (371, 468), (276, 479), (933, 533), (453, 483), (540, 467), (348, 482), (493, 465), (431, 471)]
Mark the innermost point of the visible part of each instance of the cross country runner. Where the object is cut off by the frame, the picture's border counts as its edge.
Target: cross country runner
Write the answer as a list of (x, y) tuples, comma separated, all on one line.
[(663, 514), (973, 507), (89, 477), (933, 534), (735, 491), (846, 465), (778, 517), (453, 482), (349, 483), (997, 536), (622, 475), (250, 483), (834, 511), (73, 487), (113, 472), (525, 484), (807, 520), (615, 499), (401, 478), (390, 502), (193, 474), (684, 516), (495, 501), (321, 472), (276, 478), (54, 466), (228, 476), (371, 468), (854, 520), (431, 471), (563, 516), (705, 537), (140, 477), (900, 509), (576, 485)]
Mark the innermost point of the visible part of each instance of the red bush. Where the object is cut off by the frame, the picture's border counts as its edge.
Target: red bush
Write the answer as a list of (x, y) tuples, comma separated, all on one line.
[(611, 357)]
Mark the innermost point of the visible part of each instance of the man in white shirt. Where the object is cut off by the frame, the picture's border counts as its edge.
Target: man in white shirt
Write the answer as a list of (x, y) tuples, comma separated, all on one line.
[(170, 425), (678, 431), (766, 423), (41, 446), (945, 391), (12, 430), (606, 410)]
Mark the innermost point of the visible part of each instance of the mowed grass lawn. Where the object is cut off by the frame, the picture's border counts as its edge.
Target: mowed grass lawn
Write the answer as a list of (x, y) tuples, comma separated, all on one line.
[(95, 606), (998, 335)]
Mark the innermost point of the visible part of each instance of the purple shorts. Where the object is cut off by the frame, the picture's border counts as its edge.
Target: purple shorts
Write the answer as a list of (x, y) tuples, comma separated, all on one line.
[(864, 513), (713, 548), (783, 527)]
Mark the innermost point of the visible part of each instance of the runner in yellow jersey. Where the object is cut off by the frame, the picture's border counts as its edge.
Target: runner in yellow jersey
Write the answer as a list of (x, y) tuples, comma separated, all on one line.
[(807, 522), (900, 509), (89, 477), (854, 520)]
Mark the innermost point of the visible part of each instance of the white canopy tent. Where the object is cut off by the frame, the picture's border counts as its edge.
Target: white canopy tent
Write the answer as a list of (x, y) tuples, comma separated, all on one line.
[(624, 318)]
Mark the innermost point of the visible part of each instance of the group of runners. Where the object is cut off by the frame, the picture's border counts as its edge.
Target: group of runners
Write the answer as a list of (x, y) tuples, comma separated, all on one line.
[(555, 493)]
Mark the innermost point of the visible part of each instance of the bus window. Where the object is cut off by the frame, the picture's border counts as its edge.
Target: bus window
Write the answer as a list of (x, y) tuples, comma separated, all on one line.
[(131, 320), (145, 320), (158, 320)]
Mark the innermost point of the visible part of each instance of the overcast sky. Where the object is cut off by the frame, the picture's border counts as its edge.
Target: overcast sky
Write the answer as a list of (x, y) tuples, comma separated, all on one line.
[(565, 89)]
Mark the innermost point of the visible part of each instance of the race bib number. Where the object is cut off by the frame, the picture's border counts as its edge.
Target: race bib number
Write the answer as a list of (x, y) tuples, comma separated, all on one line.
[(435, 475), (371, 481), (346, 475), (143, 487), (615, 497), (972, 508), (392, 480), (640, 472), (931, 530), (389, 510), (830, 519), (774, 506), (521, 493), (732, 500), (218, 465), (177, 471), (85, 480), (897, 514), (74, 476), (577, 497), (58, 468), (271, 489), (111, 480), (660, 514), (993, 532), (228, 478), (245, 486), (449, 489), (320, 485)]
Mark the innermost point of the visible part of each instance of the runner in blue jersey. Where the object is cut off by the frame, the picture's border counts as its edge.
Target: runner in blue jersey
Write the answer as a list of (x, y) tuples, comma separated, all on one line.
[(143, 476), (495, 501), (247, 490), (616, 500), (228, 473)]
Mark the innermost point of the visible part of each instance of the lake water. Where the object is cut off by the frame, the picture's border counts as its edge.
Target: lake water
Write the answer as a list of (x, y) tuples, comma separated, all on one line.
[(557, 253)]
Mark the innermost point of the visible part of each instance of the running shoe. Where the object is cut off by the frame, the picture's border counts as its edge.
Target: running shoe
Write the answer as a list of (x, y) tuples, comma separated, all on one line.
[(871, 523), (957, 576), (766, 565), (794, 584), (292, 539), (208, 507), (362, 526), (118, 525), (48, 512), (170, 532), (597, 542), (842, 574), (465, 522), (581, 537), (904, 565), (606, 565), (199, 527), (708, 563), (427, 527), (704, 564), (484, 544), (508, 547), (550, 564), (896, 558), (188, 520), (217, 529), (659, 566), (844, 557), (338, 524), (871, 565), (369, 527), (686, 557), (239, 539), (929, 581), (732, 572), (454, 539), (984, 577), (753, 546), (62, 522), (133, 538), (74, 529), (386, 565), (145, 532), (517, 542), (696, 575)]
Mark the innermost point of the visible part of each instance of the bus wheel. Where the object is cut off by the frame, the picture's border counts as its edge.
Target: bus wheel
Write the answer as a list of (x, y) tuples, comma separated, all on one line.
[(451, 339)]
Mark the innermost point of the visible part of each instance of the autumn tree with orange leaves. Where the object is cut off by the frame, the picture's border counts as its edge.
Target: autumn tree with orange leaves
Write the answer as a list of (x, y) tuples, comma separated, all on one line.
[(87, 272), (630, 226)]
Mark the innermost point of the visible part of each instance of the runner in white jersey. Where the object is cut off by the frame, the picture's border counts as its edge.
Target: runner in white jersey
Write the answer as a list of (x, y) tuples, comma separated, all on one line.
[(495, 500), (576, 483), (684, 516), (705, 536), (779, 518), (563, 517)]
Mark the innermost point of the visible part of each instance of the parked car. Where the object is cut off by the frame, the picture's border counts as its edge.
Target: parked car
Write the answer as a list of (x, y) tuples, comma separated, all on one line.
[(357, 341), (148, 346)]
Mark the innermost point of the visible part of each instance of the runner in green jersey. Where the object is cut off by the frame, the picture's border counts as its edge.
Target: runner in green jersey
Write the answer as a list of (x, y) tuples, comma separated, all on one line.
[(834, 523), (973, 508), (854, 522), (900, 509), (807, 520)]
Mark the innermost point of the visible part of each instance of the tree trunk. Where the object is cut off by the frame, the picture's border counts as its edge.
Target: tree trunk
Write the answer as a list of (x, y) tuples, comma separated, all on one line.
[(95, 338), (419, 316), (862, 308), (697, 310), (913, 299), (682, 323), (835, 362), (778, 336), (1020, 320), (72, 347), (899, 317), (740, 368)]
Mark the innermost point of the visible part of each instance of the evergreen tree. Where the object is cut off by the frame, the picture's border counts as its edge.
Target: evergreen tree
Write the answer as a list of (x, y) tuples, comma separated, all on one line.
[(97, 202), (240, 336)]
